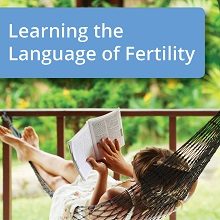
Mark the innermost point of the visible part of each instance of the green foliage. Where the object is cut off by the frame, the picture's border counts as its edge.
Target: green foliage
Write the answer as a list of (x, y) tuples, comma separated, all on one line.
[(32, 3), (102, 93), (63, 3), (100, 3), (213, 38), (38, 210), (212, 88)]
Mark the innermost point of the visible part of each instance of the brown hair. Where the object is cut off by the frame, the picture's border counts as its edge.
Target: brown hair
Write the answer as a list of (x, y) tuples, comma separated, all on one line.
[(147, 158)]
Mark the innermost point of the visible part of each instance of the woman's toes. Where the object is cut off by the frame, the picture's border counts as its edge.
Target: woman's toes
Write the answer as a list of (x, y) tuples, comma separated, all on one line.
[(33, 134), (29, 128), (6, 130), (24, 136), (32, 131), (30, 136), (2, 131)]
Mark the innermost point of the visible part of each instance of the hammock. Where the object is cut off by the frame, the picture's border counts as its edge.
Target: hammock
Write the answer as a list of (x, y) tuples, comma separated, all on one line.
[(163, 187), (17, 133)]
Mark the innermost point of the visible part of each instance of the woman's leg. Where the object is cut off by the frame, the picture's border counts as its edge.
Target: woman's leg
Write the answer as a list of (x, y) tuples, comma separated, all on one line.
[(54, 182), (52, 164)]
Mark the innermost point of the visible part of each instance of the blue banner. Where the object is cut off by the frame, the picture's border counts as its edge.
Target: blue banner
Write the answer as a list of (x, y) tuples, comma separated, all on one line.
[(102, 43)]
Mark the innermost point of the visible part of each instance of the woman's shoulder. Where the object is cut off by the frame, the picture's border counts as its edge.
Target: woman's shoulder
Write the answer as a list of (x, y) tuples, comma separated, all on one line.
[(115, 191), (127, 183), (111, 193)]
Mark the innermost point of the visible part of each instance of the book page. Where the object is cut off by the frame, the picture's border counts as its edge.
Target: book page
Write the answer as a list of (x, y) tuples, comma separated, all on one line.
[(109, 125), (81, 147)]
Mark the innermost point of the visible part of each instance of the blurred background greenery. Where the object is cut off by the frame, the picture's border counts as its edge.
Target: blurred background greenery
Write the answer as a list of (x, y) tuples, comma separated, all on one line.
[(123, 93)]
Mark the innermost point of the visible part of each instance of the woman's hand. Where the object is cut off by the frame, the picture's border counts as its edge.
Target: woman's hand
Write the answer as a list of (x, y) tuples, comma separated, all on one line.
[(99, 166), (113, 157)]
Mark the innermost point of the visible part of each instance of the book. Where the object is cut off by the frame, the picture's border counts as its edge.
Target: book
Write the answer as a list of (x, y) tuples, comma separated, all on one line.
[(84, 142)]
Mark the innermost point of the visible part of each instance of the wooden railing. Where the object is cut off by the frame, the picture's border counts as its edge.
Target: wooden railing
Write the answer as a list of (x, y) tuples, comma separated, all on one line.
[(60, 115)]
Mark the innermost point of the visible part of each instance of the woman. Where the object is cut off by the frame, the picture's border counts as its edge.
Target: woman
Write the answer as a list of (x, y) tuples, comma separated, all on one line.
[(62, 176)]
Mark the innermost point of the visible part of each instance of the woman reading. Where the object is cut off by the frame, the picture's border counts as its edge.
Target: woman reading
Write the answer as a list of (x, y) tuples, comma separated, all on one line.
[(70, 190)]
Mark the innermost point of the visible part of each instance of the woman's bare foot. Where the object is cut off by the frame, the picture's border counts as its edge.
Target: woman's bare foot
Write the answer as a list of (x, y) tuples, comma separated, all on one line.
[(31, 137), (18, 144)]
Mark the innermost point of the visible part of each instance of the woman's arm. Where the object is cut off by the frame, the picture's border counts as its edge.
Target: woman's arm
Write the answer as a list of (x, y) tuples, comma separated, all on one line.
[(101, 185), (114, 158), (99, 190)]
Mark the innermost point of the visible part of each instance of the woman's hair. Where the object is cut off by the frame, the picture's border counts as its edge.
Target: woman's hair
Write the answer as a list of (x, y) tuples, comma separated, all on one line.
[(145, 198), (145, 159)]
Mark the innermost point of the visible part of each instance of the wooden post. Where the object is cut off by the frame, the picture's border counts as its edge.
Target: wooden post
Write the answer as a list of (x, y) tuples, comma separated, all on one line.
[(60, 136), (118, 3), (7, 193), (172, 145), (83, 3), (172, 133)]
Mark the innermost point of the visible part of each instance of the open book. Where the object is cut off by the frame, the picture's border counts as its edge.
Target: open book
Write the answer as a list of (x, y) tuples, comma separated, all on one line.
[(84, 143)]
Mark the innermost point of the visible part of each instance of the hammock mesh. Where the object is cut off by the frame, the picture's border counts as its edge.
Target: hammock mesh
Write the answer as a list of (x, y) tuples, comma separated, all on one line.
[(164, 186)]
